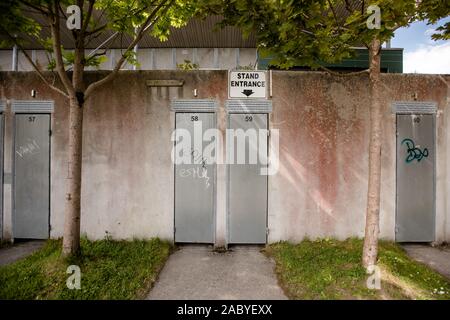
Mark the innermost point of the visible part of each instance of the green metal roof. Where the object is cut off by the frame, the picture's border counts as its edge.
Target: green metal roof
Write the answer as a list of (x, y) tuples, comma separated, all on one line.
[(391, 61)]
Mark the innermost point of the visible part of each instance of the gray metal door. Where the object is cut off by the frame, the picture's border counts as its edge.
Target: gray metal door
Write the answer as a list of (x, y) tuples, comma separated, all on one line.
[(32, 176), (247, 188), (195, 183), (415, 219)]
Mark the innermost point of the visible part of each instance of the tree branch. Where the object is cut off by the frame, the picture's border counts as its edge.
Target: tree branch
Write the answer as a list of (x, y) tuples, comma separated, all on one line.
[(62, 11), (91, 32), (41, 75), (334, 13), (348, 6), (342, 74), (35, 7), (96, 36), (54, 25), (88, 17), (35, 67), (97, 54), (148, 22), (131, 13)]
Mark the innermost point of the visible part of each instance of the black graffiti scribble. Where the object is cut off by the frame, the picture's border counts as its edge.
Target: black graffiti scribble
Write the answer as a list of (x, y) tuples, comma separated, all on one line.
[(414, 153), (198, 157)]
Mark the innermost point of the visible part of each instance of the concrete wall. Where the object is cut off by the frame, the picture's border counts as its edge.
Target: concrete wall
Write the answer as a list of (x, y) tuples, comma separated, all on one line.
[(321, 188), (319, 191)]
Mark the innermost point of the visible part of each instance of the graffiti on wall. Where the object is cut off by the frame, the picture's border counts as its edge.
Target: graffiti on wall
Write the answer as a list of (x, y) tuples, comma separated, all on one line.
[(413, 152), (197, 172), (31, 147)]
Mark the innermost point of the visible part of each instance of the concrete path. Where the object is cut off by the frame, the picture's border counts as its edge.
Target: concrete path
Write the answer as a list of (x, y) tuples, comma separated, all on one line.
[(436, 258), (196, 272), (18, 251)]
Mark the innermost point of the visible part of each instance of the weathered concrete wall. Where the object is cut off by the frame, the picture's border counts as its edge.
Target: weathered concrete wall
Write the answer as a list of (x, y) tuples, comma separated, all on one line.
[(319, 191), (321, 188)]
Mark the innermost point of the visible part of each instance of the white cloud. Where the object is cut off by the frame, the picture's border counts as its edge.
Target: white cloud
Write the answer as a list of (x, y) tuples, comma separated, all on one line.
[(428, 59), (430, 31)]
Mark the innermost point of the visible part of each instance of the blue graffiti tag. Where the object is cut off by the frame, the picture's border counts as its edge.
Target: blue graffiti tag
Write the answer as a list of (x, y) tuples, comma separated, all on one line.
[(413, 152)]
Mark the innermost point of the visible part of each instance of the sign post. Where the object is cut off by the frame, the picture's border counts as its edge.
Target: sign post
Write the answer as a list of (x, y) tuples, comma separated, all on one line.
[(247, 84)]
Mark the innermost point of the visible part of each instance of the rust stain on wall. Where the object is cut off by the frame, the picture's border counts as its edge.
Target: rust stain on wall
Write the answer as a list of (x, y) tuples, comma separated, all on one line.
[(320, 189)]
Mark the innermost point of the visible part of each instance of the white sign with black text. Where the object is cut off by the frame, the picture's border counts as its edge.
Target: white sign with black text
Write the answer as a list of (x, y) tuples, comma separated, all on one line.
[(247, 84)]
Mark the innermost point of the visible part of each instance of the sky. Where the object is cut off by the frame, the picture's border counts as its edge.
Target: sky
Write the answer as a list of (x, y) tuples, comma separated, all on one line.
[(422, 54)]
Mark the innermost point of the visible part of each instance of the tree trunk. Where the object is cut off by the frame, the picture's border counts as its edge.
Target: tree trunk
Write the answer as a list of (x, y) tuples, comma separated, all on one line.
[(71, 241), (370, 249)]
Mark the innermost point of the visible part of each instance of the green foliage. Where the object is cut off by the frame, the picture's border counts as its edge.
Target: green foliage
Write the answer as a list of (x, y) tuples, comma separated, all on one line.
[(433, 11), (109, 270), (89, 61), (187, 65), (311, 32), (125, 16), (14, 23), (121, 16), (331, 269), (131, 58)]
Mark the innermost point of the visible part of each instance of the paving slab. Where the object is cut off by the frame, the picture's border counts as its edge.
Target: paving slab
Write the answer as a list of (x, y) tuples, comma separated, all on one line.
[(19, 251), (197, 272), (437, 259)]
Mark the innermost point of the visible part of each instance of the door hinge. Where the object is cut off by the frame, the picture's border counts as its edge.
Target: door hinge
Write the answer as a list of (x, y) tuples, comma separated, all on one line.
[(267, 231), (268, 133), (50, 132)]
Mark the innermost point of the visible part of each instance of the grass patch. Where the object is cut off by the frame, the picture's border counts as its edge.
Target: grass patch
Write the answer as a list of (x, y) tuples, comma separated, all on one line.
[(109, 270), (330, 269)]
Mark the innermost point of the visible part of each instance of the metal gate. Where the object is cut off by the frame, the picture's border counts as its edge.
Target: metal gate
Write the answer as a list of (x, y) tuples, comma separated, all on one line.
[(32, 176), (247, 188), (415, 218), (194, 181)]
